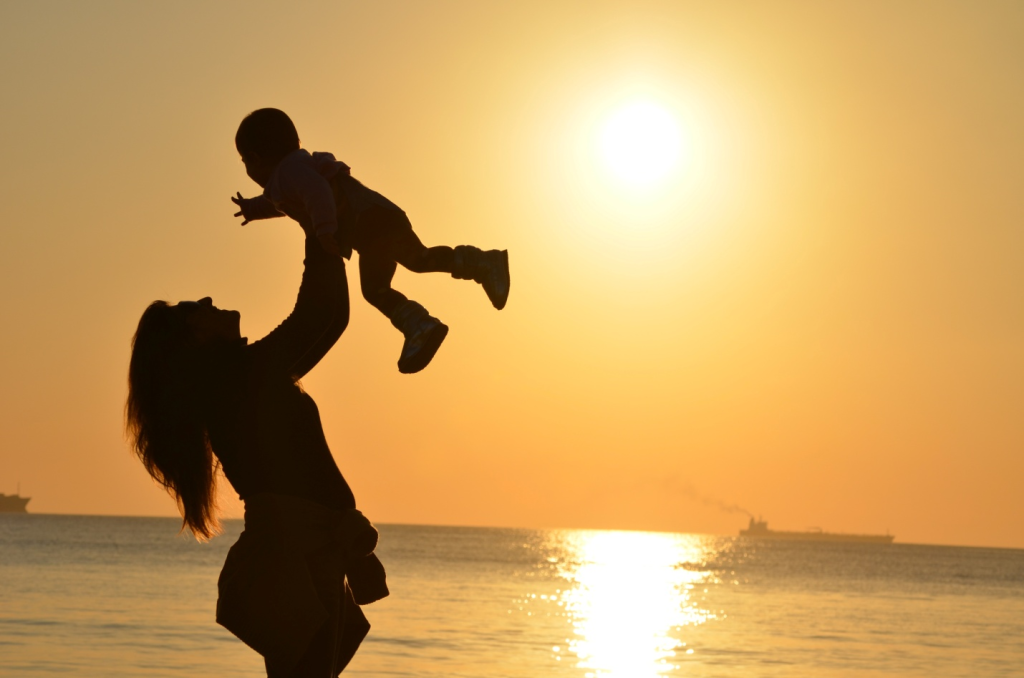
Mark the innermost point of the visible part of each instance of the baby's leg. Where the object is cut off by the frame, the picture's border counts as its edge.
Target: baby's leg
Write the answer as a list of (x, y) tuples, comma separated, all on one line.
[(375, 275), (415, 256), (423, 332), (465, 262)]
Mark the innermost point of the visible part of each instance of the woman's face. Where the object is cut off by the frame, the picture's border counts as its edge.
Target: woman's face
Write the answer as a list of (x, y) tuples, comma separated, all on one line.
[(209, 323)]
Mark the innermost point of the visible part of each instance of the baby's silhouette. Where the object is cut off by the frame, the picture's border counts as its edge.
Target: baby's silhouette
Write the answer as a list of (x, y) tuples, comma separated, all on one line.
[(320, 193)]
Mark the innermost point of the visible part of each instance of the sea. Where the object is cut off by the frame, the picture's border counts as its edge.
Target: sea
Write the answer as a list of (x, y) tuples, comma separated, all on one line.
[(111, 596)]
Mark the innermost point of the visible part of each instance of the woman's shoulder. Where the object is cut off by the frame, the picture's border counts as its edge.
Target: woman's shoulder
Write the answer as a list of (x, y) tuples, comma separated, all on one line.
[(257, 376)]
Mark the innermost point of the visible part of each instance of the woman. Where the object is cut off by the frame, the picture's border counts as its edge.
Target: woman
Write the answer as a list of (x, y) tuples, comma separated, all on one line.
[(201, 397)]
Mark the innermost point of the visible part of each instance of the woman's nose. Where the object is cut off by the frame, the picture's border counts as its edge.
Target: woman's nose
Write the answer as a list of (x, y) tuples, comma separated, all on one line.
[(206, 301)]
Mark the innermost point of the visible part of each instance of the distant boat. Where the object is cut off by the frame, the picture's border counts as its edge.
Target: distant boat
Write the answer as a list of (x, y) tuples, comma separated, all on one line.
[(13, 503), (758, 529)]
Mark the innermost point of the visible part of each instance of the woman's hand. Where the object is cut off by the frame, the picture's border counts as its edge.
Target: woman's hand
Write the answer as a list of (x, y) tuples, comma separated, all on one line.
[(329, 244)]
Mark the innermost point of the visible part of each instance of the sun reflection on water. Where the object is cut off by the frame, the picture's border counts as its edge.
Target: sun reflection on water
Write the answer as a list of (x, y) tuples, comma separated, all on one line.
[(628, 592)]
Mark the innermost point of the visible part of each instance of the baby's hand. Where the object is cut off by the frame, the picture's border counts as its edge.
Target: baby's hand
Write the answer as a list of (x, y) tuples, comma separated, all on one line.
[(241, 202), (330, 245)]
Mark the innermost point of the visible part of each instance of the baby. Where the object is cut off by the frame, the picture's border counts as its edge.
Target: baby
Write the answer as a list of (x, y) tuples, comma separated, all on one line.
[(320, 193)]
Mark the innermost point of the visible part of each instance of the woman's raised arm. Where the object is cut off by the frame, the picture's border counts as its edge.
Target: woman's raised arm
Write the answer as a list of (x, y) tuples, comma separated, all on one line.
[(317, 321)]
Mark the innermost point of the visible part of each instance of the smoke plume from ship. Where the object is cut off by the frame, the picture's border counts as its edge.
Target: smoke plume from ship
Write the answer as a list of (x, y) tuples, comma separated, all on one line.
[(688, 490)]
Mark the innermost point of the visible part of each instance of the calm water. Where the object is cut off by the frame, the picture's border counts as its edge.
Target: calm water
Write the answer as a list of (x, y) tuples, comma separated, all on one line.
[(88, 596)]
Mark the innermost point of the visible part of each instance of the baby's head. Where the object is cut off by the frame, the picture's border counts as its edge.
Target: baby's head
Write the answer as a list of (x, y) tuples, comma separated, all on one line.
[(263, 139)]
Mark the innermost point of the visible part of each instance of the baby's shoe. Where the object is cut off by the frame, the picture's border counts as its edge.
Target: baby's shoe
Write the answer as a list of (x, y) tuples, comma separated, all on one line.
[(489, 268), (423, 336)]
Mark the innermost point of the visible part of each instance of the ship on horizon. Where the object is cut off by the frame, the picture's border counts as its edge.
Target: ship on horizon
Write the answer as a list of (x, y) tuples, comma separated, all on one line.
[(758, 529), (13, 503)]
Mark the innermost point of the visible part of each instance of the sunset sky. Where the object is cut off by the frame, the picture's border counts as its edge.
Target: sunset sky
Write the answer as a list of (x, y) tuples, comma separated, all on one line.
[(806, 299)]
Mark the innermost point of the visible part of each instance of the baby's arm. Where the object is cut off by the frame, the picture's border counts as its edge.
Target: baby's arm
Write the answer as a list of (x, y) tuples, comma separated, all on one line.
[(251, 209), (303, 185)]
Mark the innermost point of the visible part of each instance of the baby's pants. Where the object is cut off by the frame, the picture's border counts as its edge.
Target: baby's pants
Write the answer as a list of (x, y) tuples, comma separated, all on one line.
[(383, 239)]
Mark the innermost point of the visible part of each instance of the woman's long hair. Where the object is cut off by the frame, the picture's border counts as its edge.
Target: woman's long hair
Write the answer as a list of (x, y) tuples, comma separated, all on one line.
[(170, 379)]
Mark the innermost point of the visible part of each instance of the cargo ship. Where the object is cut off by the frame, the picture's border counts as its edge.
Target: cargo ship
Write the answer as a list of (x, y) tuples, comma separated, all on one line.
[(758, 529), (13, 503)]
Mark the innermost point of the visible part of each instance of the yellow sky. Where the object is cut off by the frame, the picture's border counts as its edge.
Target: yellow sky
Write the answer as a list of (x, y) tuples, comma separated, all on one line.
[(819, 317)]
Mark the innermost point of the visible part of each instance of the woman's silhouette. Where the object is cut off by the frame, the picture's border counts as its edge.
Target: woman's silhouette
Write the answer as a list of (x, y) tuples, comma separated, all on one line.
[(200, 396)]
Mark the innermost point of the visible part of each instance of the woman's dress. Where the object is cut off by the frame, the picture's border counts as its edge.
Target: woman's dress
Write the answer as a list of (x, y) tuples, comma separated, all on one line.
[(292, 585)]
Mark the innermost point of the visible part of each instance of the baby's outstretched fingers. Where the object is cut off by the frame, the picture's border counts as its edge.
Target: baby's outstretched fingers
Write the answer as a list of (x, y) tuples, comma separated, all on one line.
[(240, 212)]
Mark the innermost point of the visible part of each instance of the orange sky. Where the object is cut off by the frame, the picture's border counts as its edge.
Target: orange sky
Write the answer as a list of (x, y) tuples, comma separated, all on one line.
[(819, 318)]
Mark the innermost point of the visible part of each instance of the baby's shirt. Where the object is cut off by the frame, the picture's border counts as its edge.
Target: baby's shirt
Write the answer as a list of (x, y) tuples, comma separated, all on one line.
[(300, 184)]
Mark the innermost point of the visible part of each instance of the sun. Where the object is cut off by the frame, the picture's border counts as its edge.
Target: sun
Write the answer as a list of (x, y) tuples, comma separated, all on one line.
[(640, 144)]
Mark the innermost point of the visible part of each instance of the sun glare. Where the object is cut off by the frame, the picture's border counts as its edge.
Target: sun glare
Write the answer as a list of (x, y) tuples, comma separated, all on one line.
[(641, 144), (630, 600)]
